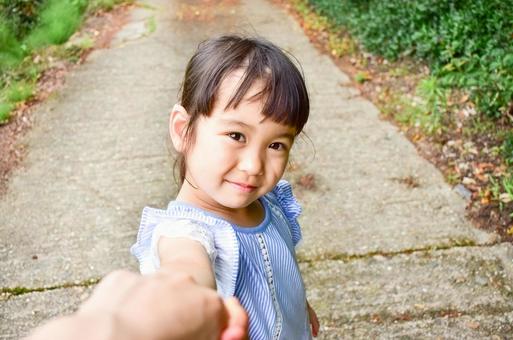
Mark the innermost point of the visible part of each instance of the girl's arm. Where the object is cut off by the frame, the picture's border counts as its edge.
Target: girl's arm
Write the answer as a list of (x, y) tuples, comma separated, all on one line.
[(183, 255)]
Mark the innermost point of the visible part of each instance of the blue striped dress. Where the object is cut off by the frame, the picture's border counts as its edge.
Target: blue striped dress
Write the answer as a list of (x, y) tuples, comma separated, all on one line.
[(257, 264)]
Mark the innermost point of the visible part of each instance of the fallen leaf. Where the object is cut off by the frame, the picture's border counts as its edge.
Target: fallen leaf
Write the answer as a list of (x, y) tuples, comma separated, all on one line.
[(468, 181), (473, 324), (416, 137), (510, 230), (505, 198), (485, 200), (307, 181)]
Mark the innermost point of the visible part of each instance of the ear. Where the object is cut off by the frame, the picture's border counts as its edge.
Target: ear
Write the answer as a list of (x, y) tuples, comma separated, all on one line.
[(178, 121)]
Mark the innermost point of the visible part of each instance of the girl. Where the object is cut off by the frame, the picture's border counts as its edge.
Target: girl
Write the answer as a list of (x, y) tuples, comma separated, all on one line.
[(233, 224)]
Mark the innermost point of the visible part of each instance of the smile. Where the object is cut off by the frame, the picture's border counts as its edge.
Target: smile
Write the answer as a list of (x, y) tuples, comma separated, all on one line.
[(243, 187)]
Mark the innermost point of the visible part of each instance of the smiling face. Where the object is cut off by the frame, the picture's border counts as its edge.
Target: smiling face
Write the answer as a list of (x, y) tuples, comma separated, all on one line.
[(237, 155)]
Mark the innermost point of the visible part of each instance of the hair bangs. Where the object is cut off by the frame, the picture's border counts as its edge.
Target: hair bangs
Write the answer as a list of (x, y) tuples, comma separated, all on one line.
[(284, 91)]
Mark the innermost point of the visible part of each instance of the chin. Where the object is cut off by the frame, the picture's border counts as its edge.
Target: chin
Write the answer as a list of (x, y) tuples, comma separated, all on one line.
[(236, 205)]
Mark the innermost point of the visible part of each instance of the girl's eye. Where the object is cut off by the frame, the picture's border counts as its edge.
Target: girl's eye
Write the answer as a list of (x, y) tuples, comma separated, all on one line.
[(237, 136), (278, 146)]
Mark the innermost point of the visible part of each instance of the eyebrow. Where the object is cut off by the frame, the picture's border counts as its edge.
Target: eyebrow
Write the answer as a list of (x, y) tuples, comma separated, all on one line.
[(288, 135), (234, 121)]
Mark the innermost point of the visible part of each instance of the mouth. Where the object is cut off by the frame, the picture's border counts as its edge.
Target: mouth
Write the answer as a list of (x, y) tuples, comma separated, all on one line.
[(243, 186)]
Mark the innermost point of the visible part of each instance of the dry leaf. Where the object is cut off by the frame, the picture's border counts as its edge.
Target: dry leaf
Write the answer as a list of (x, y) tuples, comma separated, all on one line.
[(473, 324)]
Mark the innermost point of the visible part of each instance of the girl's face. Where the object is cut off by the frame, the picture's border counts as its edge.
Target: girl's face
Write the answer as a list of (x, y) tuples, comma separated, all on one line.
[(238, 155)]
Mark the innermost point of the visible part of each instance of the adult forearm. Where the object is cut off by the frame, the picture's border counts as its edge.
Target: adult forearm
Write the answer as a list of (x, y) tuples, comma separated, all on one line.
[(83, 327)]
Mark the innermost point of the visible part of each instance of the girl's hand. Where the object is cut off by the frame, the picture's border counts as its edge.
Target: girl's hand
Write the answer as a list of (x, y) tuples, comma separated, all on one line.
[(314, 321)]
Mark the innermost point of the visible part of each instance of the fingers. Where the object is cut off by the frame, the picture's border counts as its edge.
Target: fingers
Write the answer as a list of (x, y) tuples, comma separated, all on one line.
[(237, 328), (314, 321)]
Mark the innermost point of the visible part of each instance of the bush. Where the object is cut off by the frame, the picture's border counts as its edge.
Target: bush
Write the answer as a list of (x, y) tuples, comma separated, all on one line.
[(59, 19), (11, 52), (466, 43), (20, 16), (26, 28)]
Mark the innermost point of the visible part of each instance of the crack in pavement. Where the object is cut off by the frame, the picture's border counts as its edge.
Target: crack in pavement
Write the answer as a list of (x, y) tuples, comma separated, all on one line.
[(8, 292), (347, 257)]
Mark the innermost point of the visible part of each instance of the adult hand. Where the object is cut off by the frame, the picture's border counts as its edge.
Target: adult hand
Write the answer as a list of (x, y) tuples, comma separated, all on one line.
[(163, 306)]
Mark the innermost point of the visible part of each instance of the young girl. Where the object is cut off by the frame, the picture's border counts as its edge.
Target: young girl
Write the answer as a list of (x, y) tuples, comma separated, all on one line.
[(233, 224)]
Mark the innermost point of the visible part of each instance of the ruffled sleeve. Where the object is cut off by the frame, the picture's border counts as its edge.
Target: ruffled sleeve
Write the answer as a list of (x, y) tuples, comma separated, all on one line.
[(156, 223), (290, 207), (181, 220)]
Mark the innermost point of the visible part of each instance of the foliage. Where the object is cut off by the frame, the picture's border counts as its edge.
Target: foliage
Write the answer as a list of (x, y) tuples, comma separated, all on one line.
[(5, 110), (58, 20), (20, 15), (507, 149), (27, 29), (19, 91), (11, 51), (467, 43)]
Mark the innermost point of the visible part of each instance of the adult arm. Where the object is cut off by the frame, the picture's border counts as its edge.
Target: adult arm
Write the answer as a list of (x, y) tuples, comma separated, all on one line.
[(166, 306)]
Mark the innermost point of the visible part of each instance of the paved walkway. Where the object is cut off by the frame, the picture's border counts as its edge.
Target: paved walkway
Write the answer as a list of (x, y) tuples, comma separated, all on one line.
[(380, 259)]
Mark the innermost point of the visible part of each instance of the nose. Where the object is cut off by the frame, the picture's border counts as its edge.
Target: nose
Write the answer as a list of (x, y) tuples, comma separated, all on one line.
[(251, 162)]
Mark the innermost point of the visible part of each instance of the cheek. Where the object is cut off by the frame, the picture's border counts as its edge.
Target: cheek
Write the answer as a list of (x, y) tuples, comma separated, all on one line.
[(277, 165), (212, 154)]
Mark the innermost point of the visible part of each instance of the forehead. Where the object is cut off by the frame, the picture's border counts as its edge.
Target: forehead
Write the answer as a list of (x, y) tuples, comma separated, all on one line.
[(231, 84), (249, 110)]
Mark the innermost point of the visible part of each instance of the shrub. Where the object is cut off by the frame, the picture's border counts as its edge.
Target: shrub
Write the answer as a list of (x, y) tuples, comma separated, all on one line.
[(466, 43), (11, 52), (59, 19), (20, 15)]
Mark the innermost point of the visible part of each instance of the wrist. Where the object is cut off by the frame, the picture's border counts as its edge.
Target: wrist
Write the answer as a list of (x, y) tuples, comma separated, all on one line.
[(102, 326)]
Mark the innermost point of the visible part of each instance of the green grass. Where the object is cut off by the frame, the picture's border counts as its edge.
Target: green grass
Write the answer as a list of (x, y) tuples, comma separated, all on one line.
[(19, 91), (33, 30), (58, 20), (151, 25), (11, 50), (5, 112), (361, 77)]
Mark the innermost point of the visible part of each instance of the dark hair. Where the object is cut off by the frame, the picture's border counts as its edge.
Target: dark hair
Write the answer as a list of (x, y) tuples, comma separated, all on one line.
[(284, 90)]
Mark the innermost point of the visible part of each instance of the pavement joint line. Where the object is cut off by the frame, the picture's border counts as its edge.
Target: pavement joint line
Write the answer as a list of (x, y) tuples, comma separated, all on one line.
[(348, 258), (8, 292)]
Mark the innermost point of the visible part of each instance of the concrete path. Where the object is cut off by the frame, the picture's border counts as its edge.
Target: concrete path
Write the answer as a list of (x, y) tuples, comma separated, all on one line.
[(380, 259)]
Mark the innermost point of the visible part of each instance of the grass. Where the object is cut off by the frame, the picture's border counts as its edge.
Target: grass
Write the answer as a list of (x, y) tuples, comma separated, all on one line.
[(151, 25), (19, 91), (24, 57), (5, 112)]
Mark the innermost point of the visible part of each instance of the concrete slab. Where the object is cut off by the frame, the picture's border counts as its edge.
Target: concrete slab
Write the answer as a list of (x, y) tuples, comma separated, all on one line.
[(494, 327), (457, 293), (22, 313)]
